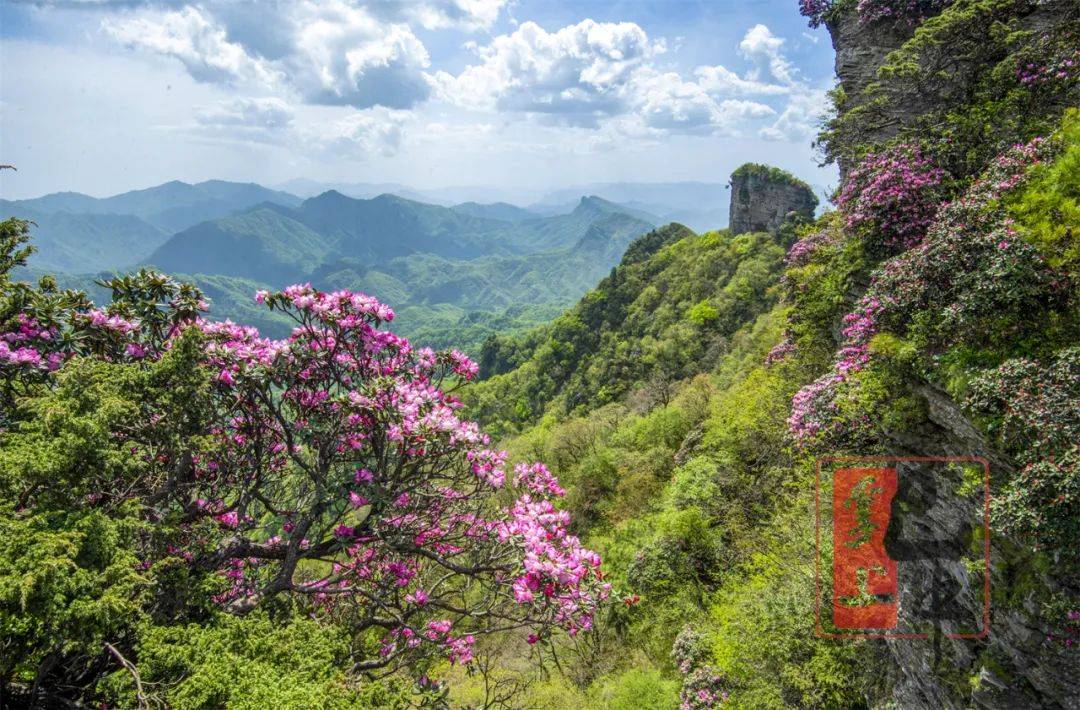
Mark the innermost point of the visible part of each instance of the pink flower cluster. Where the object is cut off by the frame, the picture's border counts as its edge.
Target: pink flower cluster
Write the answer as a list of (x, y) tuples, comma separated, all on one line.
[(555, 566), (703, 686), (891, 197), (780, 351), (30, 344), (1057, 62), (801, 251), (814, 411), (359, 410)]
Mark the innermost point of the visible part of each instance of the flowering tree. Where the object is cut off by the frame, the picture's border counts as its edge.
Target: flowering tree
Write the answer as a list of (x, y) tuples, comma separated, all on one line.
[(891, 197), (340, 445), (328, 470)]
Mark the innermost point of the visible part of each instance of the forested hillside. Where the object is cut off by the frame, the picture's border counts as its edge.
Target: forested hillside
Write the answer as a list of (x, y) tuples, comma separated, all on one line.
[(196, 515), (934, 312)]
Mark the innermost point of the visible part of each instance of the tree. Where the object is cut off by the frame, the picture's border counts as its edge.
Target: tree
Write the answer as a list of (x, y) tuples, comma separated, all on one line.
[(328, 473)]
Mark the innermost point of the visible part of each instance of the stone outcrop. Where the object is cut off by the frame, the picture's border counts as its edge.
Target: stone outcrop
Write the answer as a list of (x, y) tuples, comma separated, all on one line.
[(1014, 666), (763, 198)]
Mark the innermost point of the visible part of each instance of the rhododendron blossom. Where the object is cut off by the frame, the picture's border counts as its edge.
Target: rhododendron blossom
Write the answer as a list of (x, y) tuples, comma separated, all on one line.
[(335, 468), (970, 270), (892, 196)]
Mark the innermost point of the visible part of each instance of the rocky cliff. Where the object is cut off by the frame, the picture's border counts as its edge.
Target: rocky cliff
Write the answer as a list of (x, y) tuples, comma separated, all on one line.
[(763, 198), (943, 68)]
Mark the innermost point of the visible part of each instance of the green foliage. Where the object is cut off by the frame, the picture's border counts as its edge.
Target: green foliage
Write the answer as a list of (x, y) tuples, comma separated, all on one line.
[(765, 644), (703, 314), (1048, 208), (251, 662), (768, 173), (636, 328), (636, 689)]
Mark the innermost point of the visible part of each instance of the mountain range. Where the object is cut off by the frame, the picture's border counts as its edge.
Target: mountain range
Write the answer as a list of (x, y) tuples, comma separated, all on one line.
[(454, 273), (77, 232), (699, 205)]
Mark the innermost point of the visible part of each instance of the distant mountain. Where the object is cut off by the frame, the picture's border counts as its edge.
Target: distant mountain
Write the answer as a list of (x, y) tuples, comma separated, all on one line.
[(275, 244), (172, 206), (87, 242), (452, 274), (444, 196), (388, 226), (700, 205), (496, 210)]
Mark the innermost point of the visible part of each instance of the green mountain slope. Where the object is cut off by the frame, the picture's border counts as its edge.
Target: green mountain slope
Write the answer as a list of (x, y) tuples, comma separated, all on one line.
[(266, 244), (172, 206), (666, 312), (73, 242)]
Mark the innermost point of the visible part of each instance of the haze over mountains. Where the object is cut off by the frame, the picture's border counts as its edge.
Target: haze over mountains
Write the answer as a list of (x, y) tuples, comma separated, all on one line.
[(453, 273), (698, 205)]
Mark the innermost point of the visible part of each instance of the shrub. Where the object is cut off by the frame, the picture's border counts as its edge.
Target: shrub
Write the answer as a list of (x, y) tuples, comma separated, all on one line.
[(890, 198)]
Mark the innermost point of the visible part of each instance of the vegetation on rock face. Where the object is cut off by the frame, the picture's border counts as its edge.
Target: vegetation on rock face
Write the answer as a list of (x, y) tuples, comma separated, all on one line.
[(767, 173)]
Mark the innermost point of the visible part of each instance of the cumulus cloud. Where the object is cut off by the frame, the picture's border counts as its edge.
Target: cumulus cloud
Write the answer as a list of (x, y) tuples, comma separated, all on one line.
[(578, 73), (667, 102), (343, 55), (601, 74), (333, 52), (765, 50), (800, 118), (364, 54), (193, 38)]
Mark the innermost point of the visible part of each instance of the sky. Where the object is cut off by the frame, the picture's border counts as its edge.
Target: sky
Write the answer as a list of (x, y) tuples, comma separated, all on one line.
[(103, 96)]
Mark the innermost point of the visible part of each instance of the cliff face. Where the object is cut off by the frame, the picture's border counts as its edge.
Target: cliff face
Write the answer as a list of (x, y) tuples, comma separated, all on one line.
[(1015, 666), (763, 198)]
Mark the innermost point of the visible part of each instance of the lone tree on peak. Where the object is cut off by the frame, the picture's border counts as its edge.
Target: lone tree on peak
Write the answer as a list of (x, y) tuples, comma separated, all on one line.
[(763, 197)]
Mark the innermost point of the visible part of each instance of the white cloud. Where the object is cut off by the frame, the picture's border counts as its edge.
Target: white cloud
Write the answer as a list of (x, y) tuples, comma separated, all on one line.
[(722, 81), (193, 38), (343, 55), (461, 14), (332, 52), (800, 119), (360, 135), (578, 73), (667, 102), (760, 46), (596, 74)]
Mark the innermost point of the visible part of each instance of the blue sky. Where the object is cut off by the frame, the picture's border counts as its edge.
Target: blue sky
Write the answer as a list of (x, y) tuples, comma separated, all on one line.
[(101, 97)]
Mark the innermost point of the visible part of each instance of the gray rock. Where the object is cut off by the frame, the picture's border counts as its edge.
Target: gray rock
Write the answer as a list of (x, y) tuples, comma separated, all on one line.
[(763, 198)]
